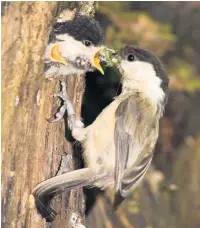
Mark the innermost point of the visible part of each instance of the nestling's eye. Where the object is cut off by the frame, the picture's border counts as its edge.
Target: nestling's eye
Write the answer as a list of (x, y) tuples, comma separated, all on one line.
[(130, 57), (87, 43)]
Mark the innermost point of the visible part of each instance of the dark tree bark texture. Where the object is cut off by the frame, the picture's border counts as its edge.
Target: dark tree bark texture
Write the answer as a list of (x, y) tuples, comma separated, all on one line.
[(31, 146)]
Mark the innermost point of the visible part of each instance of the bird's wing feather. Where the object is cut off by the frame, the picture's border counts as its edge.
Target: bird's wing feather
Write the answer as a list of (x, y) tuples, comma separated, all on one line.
[(128, 148), (121, 143), (134, 174), (131, 179)]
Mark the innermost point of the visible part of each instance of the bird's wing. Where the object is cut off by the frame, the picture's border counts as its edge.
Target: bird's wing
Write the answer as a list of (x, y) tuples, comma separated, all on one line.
[(130, 166)]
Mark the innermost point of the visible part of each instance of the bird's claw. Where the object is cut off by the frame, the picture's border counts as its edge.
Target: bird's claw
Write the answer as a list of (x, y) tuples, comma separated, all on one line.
[(59, 115), (67, 106), (59, 94), (63, 95)]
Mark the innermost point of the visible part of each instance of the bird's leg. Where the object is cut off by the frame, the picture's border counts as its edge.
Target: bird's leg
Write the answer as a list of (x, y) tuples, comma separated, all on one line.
[(63, 95), (76, 126), (67, 106)]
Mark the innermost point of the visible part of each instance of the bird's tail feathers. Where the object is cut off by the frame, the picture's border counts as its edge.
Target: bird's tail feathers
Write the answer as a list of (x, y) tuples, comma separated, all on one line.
[(48, 189)]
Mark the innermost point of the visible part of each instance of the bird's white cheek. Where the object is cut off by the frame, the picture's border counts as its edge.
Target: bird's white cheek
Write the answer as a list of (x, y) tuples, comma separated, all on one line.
[(138, 70), (69, 47), (71, 50), (142, 76), (127, 69)]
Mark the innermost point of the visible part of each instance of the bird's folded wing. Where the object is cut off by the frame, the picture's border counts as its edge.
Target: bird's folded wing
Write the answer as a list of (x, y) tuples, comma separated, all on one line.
[(133, 175), (130, 166)]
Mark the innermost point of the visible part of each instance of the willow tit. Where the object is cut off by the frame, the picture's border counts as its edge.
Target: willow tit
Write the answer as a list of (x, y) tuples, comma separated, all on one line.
[(119, 144), (73, 50)]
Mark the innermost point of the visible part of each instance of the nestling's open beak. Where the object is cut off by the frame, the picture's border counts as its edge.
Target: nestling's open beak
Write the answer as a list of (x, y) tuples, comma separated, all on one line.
[(56, 56), (96, 59)]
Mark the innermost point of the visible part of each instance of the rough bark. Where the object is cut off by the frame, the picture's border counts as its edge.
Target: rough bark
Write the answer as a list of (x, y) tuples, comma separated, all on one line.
[(31, 146)]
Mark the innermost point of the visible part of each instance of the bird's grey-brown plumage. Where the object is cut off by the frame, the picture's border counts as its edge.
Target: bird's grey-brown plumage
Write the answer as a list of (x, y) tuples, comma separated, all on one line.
[(118, 146), (131, 146)]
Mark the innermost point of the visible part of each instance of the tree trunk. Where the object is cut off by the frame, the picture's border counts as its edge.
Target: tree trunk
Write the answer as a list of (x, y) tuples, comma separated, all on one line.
[(32, 147)]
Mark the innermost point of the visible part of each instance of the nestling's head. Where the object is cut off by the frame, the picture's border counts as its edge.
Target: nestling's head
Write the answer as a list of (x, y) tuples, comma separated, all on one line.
[(73, 46), (142, 70)]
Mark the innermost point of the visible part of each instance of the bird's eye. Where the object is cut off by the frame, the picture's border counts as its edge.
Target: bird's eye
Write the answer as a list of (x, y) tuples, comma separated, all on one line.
[(130, 57), (87, 43)]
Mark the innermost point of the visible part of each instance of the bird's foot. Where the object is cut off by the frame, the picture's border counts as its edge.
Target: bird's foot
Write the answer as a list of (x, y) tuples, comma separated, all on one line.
[(67, 106), (59, 115)]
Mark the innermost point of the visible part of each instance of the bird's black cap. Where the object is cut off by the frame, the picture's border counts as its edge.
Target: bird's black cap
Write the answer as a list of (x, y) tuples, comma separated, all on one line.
[(147, 56), (81, 28)]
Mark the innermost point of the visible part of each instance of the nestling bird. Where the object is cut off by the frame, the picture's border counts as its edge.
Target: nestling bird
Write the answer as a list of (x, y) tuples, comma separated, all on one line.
[(119, 144), (73, 50)]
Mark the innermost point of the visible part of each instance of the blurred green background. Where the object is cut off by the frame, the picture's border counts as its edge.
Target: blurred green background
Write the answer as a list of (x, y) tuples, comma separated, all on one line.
[(170, 194)]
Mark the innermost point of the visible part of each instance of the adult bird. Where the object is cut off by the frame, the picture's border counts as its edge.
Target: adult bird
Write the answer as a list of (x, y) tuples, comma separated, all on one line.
[(119, 144)]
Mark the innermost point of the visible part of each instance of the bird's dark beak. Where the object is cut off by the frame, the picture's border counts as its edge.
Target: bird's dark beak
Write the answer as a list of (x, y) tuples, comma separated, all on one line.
[(56, 56), (96, 59)]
